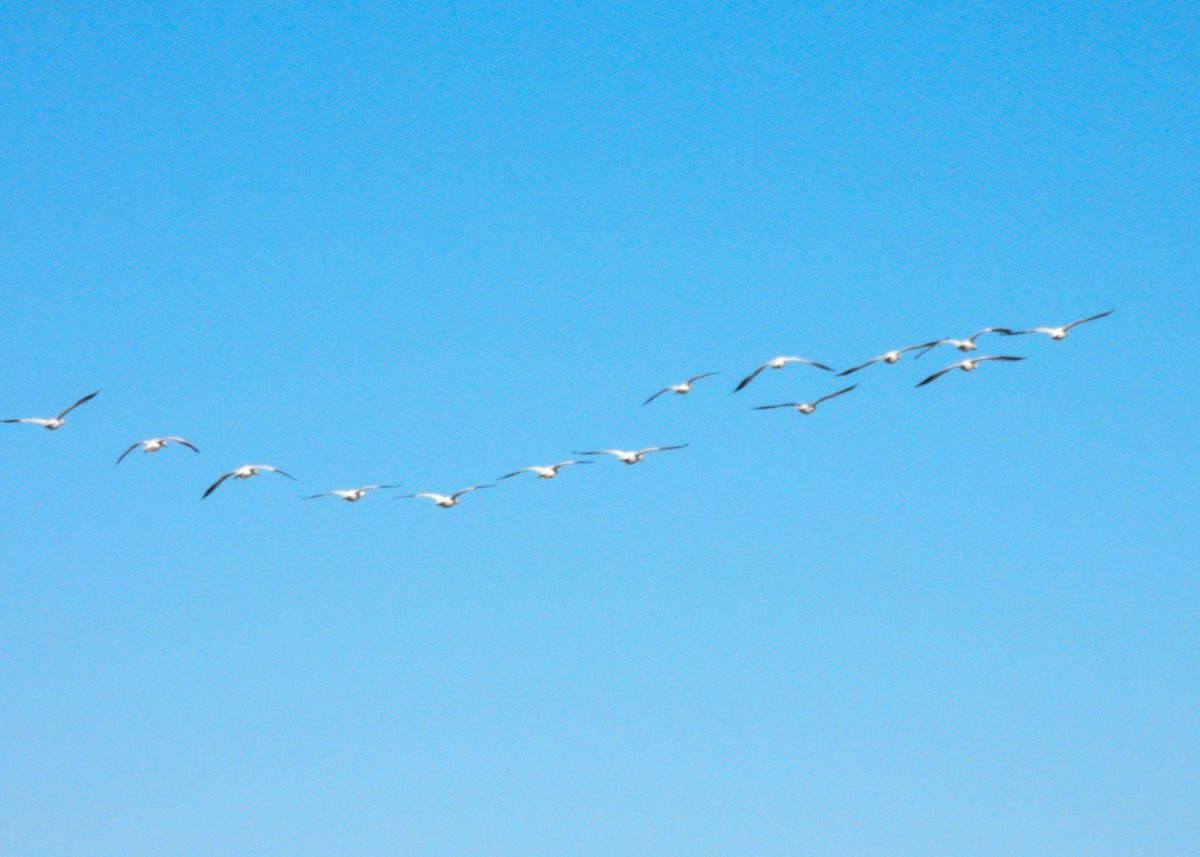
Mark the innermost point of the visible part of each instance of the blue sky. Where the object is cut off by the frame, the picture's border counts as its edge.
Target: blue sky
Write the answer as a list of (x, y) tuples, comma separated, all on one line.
[(431, 244)]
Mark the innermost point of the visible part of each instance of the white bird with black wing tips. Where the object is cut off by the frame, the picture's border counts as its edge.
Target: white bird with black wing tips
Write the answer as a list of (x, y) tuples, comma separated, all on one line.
[(680, 389), (245, 472), (968, 365), (806, 407), (963, 345), (447, 501), (547, 472), (779, 363), (53, 423), (154, 444), (632, 456), (1060, 333), (350, 495), (889, 357)]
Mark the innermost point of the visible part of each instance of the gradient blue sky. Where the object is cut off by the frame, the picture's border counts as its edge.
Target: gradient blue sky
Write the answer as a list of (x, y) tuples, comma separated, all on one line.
[(430, 244)]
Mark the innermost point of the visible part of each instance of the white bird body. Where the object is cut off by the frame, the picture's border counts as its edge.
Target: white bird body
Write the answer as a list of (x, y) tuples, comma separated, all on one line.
[(154, 444), (968, 365), (632, 456), (53, 423), (245, 472)]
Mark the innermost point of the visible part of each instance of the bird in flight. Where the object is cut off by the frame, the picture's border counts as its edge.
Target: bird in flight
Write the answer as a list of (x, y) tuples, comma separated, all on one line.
[(54, 423), (154, 444), (779, 363), (680, 389), (968, 365), (447, 501), (963, 345), (890, 357), (548, 472), (1060, 332), (632, 456), (350, 495), (806, 407), (245, 472)]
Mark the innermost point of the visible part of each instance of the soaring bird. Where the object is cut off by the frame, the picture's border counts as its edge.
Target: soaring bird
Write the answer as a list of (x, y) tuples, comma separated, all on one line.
[(779, 363), (889, 357), (968, 365), (806, 407), (245, 472), (53, 423), (1059, 332), (680, 389), (447, 501), (963, 345), (350, 495), (633, 456), (548, 472), (154, 444)]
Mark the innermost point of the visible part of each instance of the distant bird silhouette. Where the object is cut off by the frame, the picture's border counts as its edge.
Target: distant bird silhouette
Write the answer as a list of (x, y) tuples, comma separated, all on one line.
[(968, 365), (53, 423), (154, 444), (889, 357), (806, 407), (779, 363), (245, 472), (350, 495), (1060, 332), (680, 389), (548, 472), (967, 344), (632, 456), (447, 501)]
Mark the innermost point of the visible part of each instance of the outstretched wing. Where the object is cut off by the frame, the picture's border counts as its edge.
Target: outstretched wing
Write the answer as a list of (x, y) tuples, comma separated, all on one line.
[(938, 374), (773, 407), (650, 449), (854, 369), (215, 485), (183, 442), (749, 377), (126, 452), (1089, 318), (695, 378), (86, 398), (655, 396), (834, 395)]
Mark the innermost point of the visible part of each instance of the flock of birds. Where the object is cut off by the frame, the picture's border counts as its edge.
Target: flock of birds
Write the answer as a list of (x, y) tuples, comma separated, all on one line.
[(626, 456)]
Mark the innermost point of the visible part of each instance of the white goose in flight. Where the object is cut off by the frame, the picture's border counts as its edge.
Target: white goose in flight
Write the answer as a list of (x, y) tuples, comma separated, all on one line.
[(779, 363), (447, 501), (806, 407), (968, 365), (154, 444), (632, 456), (890, 357), (245, 472), (680, 389), (1059, 332), (548, 472), (350, 495), (963, 345), (54, 423)]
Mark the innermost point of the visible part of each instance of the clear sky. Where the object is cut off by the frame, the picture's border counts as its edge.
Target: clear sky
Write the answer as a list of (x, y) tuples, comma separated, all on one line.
[(430, 244)]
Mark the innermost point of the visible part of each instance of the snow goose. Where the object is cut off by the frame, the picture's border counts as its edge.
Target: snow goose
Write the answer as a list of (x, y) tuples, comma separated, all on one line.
[(350, 495), (548, 472), (779, 363), (447, 501), (968, 365), (632, 456), (245, 472), (806, 407), (154, 444), (963, 345), (889, 357), (680, 389), (53, 423), (1060, 332)]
